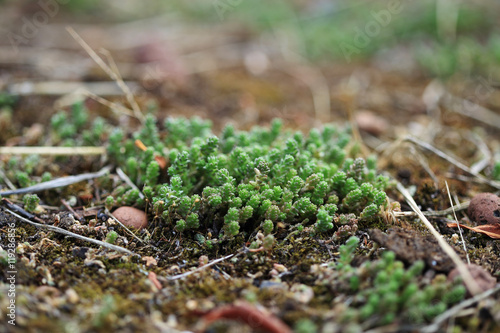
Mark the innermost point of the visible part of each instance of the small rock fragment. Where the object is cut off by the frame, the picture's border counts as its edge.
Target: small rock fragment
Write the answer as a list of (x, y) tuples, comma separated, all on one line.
[(484, 208), (483, 279), (131, 217), (72, 296), (369, 122), (150, 261)]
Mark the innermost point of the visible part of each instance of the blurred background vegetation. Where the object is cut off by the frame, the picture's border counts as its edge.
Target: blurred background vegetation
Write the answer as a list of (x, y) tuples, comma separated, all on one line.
[(443, 36)]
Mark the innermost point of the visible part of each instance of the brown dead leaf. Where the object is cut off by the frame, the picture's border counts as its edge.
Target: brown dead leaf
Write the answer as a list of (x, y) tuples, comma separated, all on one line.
[(491, 230)]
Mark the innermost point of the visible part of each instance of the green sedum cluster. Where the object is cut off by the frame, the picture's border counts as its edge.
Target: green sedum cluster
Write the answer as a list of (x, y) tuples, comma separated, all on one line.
[(245, 180), (31, 202), (384, 291)]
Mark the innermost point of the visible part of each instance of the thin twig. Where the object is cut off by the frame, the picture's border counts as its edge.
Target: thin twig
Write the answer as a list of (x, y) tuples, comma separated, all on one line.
[(437, 213), (439, 320), (20, 210), (126, 90), (216, 261), (59, 182), (462, 268), (458, 224), (68, 207), (71, 234)]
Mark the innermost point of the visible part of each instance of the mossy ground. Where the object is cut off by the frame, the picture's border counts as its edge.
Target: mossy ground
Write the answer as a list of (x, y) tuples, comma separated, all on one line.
[(68, 285)]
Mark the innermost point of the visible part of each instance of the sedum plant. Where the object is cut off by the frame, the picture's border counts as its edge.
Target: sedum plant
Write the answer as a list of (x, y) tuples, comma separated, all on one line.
[(31, 202), (383, 291), (242, 180)]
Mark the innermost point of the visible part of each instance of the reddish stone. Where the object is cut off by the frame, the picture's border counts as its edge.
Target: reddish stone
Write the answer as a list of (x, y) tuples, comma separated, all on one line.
[(481, 276), (484, 208), (131, 217)]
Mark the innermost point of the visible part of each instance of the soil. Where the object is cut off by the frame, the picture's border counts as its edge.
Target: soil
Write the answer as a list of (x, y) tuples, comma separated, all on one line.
[(66, 284)]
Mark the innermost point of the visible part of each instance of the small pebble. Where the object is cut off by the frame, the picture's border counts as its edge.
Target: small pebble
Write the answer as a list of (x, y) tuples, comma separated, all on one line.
[(372, 123), (484, 208), (131, 217), (482, 277)]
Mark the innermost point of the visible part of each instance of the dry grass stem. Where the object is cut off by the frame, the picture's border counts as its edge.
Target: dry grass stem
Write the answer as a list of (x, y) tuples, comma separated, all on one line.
[(458, 224), (53, 151), (437, 213), (453, 161), (59, 182), (71, 234), (7, 180), (216, 261), (113, 106), (461, 266), (58, 88), (129, 182), (117, 78)]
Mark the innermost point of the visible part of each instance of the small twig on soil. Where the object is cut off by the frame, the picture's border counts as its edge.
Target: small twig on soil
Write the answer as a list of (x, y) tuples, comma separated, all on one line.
[(458, 224), (437, 213), (71, 234), (439, 320), (216, 261), (68, 207), (453, 161), (129, 182), (469, 281), (53, 151), (59, 182), (119, 81), (20, 210)]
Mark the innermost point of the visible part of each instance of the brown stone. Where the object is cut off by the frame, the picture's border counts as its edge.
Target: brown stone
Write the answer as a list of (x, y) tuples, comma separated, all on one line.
[(484, 208), (370, 122), (483, 279), (131, 217)]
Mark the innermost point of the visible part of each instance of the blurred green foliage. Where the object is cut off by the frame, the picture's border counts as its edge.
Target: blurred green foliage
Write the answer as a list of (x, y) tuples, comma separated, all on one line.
[(350, 30)]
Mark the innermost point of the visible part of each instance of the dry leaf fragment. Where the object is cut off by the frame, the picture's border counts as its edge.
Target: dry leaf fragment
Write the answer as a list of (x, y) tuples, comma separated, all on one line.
[(491, 230), (484, 209)]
